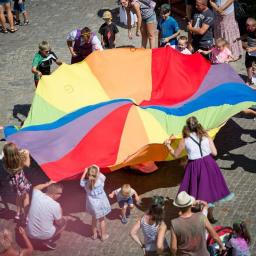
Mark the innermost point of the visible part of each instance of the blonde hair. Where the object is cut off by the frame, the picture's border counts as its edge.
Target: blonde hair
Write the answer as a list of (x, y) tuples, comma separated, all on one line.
[(13, 159), (222, 42), (183, 38), (92, 174), (5, 240), (44, 46), (126, 190)]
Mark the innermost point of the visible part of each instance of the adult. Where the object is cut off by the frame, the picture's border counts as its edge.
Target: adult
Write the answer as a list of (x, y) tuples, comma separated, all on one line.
[(188, 230), (203, 178), (201, 27), (153, 229), (225, 25), (81, 43), (5, 6), (45, 220), (6, 246), (146, 20)]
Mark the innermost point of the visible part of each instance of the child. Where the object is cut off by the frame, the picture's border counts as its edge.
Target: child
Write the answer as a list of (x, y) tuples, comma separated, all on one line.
[(182, 45), (168, 27), (124, 198), (220, 53), (97, 204), (19, 7), (240, 240), (108, 30), (14, 161), (42, 61)]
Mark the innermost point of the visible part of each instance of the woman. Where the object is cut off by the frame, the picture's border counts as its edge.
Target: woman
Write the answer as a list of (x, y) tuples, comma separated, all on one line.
[(146, 20), (5, 5), (226, 26), (153, 229), (203, 178)]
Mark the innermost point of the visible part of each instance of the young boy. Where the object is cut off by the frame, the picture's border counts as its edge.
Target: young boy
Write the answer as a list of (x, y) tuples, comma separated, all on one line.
[(182, 45), (19, 7), (108, 31), (124, 198), (43, 60), (168, 27)]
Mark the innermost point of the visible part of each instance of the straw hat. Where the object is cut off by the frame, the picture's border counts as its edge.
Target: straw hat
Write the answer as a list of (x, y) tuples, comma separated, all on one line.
[(183, 199), (107, 15)]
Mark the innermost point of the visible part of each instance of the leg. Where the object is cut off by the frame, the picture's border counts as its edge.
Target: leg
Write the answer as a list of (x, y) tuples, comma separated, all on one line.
[(94, 228), (25, 16), (123, 211), (249, 74), (60, 228), (19, 206), (103, 233), (25, 203), (151, 29), (144, 38), (17, 16), (2, 18), (9, 15)]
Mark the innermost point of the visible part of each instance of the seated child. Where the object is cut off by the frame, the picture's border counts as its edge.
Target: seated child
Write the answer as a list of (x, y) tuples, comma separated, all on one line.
[(43, 60), (19, 7), (168, 27), (124, 198), (182, 45), (220, 53)]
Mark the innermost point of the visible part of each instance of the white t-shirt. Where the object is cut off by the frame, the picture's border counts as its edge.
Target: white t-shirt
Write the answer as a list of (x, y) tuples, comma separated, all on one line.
[(42, 213), (229, 10), (254, 79), (120, 197), (184, 51), (96, 44)]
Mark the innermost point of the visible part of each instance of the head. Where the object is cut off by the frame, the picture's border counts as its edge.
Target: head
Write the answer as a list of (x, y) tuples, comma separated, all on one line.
[(126, 190), (192, 125), (55, 191), (221, 44), (156, 213), (251, 25), (44, 48), (12, 158), (107, 16), (201, 5), (184, 201), (124, 3), (86, 34), (5, 240), (158, 201), (165, 11), (240, 229), (182, 42), (92, 174), (254, 68)]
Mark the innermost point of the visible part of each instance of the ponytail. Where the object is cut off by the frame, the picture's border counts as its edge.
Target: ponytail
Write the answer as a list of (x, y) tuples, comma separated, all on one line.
[(192, 125)]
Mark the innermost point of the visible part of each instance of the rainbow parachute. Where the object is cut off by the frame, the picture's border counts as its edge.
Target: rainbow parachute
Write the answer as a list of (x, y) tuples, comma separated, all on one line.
[(116, 108)]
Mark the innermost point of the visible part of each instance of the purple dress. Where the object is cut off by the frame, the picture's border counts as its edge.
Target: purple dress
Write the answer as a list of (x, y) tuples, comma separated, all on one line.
[(203, 178)]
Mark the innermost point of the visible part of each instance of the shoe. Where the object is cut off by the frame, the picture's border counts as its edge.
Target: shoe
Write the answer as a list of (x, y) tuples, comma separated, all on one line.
[(13, 30), (124, 220), (26, 22), (18, 23), (50, 245), (4, 31), (104, 238)]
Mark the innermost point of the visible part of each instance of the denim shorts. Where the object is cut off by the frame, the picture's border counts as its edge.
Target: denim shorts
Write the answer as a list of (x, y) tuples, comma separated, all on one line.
[(4, 1), (19, 7), (151, 19), (128, 201)]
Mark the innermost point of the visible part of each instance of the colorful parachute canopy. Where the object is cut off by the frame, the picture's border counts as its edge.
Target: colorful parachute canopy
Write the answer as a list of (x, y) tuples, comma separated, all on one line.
[(117, 107)]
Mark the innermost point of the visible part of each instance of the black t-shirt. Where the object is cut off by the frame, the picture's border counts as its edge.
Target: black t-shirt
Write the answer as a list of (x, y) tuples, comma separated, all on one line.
[(206, 17), (108, 32)]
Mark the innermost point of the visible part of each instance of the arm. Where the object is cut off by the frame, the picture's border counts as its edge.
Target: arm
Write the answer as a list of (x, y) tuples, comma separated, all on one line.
[(35, 71), (167, 39), (175, 153), (84, 174), (70, 47), (198, 31), (112, 194), (26, 162), (44, 185), (102, 40), (226, 5), (204, 52), (133, 234), (173, 244), (212, 147), (58, 62), (29, 247), (160, 238), (96, 44), (136, 8)]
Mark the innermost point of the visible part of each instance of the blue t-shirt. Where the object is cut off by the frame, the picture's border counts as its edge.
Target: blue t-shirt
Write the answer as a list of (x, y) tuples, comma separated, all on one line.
[(167, 28)]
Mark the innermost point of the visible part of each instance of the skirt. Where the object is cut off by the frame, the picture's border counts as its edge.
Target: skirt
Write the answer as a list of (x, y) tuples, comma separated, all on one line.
[(227, 27), (204, 180)]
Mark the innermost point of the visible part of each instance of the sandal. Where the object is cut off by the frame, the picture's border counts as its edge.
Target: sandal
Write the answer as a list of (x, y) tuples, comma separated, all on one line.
[(103, 238), (5, 31), (13, 30), (94, 236)]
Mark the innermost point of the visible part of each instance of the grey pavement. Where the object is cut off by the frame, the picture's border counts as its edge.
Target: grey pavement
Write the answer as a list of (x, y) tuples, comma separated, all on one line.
[(51, 21)]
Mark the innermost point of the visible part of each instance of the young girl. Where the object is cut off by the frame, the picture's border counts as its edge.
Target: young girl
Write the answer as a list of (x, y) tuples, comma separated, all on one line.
[(97, 204), (240, 240), (14, 161), (220, 53)]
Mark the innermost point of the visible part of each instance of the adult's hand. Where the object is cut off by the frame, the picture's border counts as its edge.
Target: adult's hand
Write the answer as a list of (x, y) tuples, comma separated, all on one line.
[(137, 33), (130, 34), (250, 49), (189, 26)]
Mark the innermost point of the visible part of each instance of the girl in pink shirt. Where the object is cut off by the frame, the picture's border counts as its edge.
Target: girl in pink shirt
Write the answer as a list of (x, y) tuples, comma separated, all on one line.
[(220, 53)]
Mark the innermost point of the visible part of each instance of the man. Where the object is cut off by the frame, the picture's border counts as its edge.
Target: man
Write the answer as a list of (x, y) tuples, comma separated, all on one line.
[(45, 220), (201, 27), (188, 230)]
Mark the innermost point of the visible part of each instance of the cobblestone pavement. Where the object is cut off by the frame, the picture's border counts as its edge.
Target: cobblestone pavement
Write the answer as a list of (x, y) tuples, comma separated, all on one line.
[(52, 20)]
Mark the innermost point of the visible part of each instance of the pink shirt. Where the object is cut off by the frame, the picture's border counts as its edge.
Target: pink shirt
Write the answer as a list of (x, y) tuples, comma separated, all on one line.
[(220, 56)]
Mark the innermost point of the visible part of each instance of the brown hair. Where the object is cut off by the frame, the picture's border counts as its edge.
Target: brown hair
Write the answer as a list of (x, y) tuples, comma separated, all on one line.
[(156, 212), (221, 41), (183, 38), (192, 125), (92, 175), (54, 188), (86, 32), (242, 231), (13, 159)]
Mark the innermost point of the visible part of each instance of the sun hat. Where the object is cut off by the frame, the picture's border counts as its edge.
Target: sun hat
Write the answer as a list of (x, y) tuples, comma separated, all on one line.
[(107, 15), (165, 7), (183, 199)]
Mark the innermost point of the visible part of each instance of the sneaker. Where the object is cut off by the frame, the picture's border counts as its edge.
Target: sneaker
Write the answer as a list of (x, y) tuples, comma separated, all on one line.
[(26, 22), (124, 220), (50, 245), (18, 23)]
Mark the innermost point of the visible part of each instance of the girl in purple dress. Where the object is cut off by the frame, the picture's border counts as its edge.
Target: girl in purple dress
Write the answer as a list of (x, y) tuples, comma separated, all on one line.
[(203, 178)]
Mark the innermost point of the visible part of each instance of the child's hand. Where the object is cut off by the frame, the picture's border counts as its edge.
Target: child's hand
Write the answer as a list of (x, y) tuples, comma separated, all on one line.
[(111, 195), (165, 40), (167, 142), (22, 231), (137, 33), (249, 49), (39, 74)]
